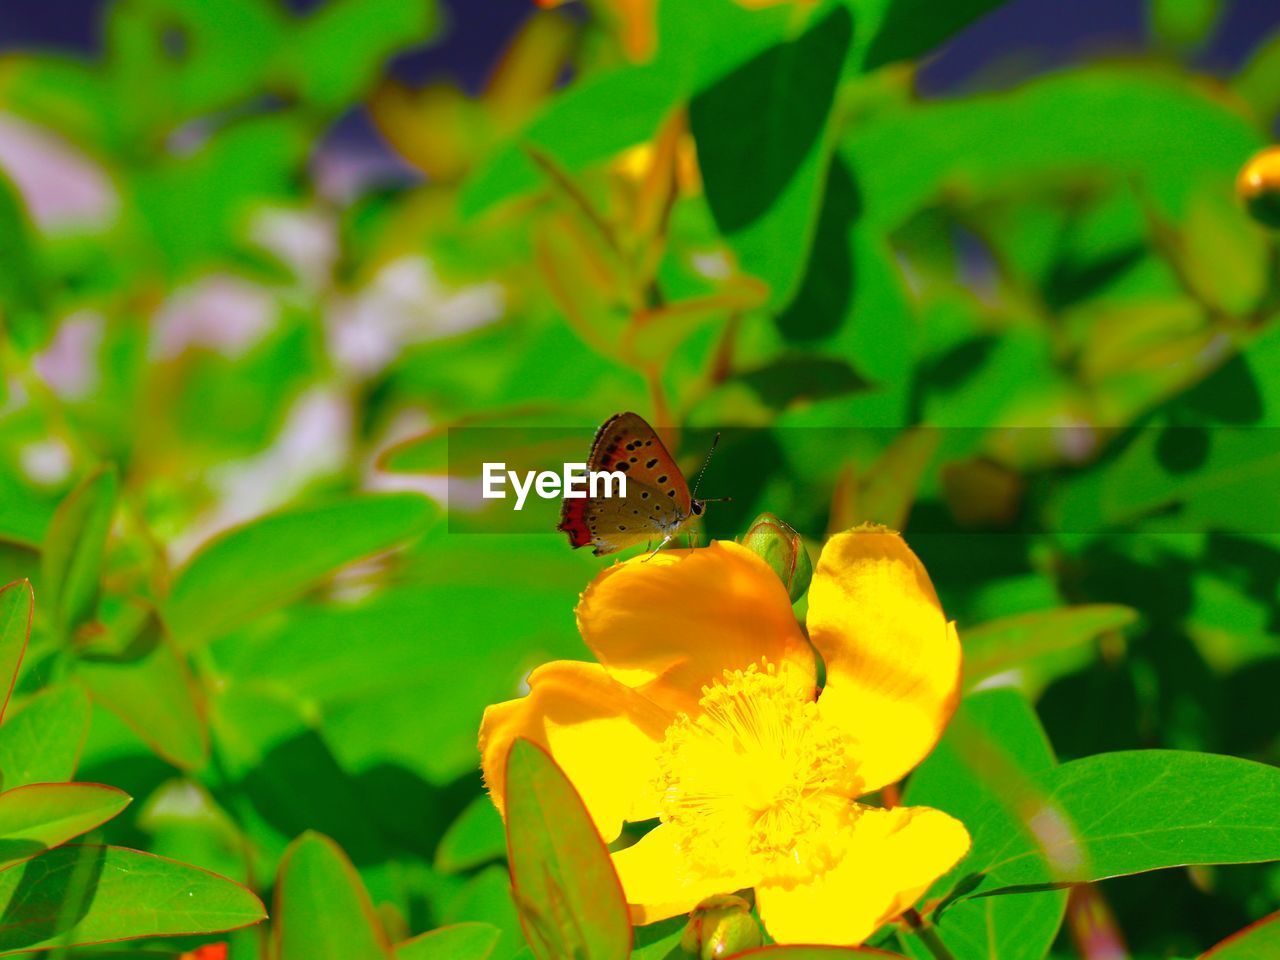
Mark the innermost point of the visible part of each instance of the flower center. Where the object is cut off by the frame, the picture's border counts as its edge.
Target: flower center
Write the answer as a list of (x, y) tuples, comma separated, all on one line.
[(757, 774)]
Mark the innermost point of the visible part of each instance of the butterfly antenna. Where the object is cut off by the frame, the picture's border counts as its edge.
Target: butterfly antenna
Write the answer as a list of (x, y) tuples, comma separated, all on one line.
[(705, 463)]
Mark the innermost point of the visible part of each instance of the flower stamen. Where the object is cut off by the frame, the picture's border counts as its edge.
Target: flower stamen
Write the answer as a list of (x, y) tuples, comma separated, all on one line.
[(757, 770)]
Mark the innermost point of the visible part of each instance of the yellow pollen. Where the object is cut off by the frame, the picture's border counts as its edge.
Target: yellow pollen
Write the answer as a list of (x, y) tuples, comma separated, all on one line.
[(758, 780)]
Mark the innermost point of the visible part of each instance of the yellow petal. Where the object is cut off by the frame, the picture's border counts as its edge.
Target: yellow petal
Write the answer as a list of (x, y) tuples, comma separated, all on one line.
[(604, 736), (893, 857), (657, 884), (893, 661), (670, 625)]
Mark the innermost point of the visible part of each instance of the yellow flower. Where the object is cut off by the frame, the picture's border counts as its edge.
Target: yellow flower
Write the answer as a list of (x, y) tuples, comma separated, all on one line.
[(1258, 186), (703, 711)]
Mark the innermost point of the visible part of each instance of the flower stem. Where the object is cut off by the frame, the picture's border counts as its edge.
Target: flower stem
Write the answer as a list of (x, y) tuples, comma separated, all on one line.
[(928, 936)]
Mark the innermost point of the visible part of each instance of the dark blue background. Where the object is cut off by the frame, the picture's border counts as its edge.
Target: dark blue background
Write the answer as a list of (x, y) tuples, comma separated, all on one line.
[(1020, 37)]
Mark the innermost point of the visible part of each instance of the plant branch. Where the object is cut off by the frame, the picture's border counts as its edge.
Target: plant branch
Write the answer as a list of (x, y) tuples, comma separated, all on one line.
[(923, 929)]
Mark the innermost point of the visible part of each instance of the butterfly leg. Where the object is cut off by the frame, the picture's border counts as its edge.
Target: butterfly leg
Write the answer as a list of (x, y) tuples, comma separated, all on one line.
[(654, 553)]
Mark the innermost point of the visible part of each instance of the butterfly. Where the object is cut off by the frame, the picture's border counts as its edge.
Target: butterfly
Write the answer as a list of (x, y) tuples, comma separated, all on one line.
[(657, 504)]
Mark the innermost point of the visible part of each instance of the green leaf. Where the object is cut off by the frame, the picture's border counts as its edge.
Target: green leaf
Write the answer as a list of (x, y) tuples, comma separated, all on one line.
[(660, 941), (73, 549), (1019, 926), (42, 815), (1224, 255), (1259, 80), (335, 56), (41, 742), (763, 150), (80, 895), (1258, 941), (144, 680), (993, 736), (18, 561), (486, 896), (511, 436), (888, 490), (892, 30), (322, 910), (472, 941), (564, 884), (1141, 483), (371, 695), (183, 822), (999, 645), (268, 744), (144, 953), (1183, 25), (270, 561), (475, 838), (853, 299), (1097, 119), (1203, 469), (1128, 812), (983, 763), (567, 131), (194, 202), (227, 58), (64, 94), (23, 290), (17, 604), (813, 953), (692, 54), (1242, 390)]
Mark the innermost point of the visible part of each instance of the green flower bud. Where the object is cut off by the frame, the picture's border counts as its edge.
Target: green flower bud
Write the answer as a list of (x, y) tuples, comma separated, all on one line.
[(783, 550), (1258, 187), (720, 926)]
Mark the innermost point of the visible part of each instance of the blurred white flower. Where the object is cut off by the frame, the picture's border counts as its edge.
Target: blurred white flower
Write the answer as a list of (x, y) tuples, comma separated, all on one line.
[(305, 240), (46, 462), (177, 799), (1216, 348), (14, 396), (713, 264), (190, 137), (405, 424), (60, 186), (405, 303), (69, 365), (1007, 678), (1077, 438), (343, 169), (315, 441), (222, 312)]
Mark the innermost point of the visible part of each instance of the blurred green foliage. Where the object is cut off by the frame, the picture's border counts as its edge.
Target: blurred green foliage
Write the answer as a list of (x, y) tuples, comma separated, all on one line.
[(1031, 325)]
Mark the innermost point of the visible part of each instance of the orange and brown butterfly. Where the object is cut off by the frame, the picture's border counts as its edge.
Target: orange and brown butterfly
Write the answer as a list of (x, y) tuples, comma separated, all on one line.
[(658, 504)]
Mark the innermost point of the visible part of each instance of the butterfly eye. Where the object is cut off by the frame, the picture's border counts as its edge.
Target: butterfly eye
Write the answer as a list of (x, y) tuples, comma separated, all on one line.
[(697, 508)]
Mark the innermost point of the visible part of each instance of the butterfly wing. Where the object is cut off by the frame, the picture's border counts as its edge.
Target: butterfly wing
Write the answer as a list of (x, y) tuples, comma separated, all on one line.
[(657, 501)]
